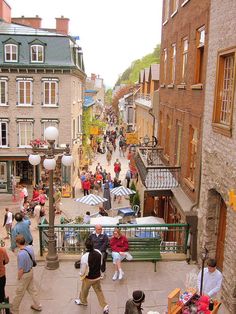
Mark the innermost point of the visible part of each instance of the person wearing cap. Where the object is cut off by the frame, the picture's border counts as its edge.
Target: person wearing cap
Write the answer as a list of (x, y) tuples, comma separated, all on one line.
[(212, 279), (134, 305)]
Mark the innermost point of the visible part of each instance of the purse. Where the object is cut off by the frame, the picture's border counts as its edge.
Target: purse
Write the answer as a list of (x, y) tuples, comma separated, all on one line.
[(33, 260)]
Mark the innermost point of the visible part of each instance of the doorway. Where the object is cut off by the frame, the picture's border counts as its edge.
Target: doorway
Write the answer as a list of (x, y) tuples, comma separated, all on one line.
[(221, 235)]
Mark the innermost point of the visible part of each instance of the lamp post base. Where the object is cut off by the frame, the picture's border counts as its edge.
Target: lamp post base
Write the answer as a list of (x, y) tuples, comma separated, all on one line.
[(52, 262)]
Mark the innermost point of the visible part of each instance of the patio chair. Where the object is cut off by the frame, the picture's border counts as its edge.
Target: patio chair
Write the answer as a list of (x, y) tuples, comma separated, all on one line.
[(136, 210)]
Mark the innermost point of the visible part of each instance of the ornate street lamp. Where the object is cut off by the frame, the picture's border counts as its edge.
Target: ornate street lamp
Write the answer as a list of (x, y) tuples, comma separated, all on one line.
[(49, 163), (146, 140)]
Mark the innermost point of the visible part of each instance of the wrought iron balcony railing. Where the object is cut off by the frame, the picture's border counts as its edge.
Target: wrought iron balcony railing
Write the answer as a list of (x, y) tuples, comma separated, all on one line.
[(153, 171), (143, 99)]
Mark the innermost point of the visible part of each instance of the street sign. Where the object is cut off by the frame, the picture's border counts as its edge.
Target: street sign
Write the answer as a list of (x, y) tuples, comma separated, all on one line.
[(132, 138)]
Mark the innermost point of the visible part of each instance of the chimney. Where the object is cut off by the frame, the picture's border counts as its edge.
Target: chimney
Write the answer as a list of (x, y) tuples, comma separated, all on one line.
[(5, 11), (34, 22), (62, 25), (93, 77)]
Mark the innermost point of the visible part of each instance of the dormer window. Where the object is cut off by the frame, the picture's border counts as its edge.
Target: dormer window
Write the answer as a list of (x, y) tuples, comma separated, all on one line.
[(11, 53), (37, 53)]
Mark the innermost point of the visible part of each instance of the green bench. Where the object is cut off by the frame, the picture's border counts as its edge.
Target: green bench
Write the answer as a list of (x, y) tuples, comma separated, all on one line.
[(144, 249)]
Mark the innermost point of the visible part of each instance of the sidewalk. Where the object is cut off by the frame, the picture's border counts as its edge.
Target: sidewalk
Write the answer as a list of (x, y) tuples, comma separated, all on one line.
[(59, 288)]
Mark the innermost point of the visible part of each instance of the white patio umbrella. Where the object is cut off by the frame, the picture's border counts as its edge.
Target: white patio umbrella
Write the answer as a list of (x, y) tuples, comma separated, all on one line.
[(122, 191), (91, 199)]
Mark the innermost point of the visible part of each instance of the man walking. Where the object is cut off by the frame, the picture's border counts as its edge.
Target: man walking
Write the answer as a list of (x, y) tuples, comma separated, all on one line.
[(8, 218), (25, 278), (100, 242), (90, 273), (21, 227)]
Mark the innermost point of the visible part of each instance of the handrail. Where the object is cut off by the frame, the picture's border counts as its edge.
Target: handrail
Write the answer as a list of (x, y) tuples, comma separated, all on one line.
[(70, 238)]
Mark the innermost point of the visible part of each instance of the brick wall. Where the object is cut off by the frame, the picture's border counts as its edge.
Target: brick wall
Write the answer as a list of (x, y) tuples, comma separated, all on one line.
[(183, 104)]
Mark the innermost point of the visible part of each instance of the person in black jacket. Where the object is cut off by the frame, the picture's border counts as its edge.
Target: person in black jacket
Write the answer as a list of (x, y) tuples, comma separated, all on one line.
[(90, 274), (100, 241)]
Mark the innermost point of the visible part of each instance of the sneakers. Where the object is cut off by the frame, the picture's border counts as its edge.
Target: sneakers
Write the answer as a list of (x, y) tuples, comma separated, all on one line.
[(115, 276), (78, 302), (121, 274), (106, 310), (128, 256), (38, 308)]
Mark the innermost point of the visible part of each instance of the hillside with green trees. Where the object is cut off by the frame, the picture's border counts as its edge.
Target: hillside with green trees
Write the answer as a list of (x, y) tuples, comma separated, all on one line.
[(131, 74)]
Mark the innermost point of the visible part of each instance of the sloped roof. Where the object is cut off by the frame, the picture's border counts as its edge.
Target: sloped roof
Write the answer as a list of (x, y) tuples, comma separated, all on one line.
[(16, 29), (58, 47), (155, 72)]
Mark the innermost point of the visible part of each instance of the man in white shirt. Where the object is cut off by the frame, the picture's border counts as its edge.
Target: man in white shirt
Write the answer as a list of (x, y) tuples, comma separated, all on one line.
[(212, 279), (8, 218)]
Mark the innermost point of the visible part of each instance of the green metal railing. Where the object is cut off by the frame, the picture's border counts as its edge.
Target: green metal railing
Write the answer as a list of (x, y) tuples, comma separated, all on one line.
[(70, 238)]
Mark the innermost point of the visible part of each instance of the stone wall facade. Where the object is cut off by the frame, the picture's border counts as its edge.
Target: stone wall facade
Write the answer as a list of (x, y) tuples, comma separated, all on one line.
[(219, 156)]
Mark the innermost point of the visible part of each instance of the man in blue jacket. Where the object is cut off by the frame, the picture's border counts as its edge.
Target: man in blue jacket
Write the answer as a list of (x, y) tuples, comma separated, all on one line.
[(100, 242)]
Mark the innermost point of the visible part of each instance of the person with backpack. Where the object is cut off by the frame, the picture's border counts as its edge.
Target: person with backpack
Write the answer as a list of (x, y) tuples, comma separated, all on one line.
[(90, 274), (117, 168)]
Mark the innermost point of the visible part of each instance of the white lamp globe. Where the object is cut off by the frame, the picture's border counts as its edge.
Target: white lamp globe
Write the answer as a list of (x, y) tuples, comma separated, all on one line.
[(67, 160), (51, 133), (34, 159), (49, 163)]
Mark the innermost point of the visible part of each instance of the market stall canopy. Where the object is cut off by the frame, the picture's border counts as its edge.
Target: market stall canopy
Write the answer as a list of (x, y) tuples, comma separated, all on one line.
[(150, 220), (91, 199), (105, 220), (122, 191)]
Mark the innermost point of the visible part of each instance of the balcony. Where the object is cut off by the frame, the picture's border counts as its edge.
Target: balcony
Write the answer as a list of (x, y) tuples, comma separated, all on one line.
[(154, 174), (143, 100)]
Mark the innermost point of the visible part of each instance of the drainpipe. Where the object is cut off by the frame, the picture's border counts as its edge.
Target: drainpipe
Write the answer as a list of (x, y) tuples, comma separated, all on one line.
[(150, 111), (193, 220)]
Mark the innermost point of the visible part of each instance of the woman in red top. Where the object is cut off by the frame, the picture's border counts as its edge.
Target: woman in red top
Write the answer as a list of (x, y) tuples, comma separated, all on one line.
[(119, 246), (86, 187)]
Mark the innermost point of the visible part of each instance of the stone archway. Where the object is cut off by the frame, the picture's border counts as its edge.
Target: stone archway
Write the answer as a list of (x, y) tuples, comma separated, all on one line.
[(215, 226)]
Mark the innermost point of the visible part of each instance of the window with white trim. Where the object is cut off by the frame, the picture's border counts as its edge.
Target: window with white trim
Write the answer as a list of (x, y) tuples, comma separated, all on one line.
[(50, 92), (166, 10), (37, 53), (184, 58), (49, 122), (24, 92), (11, 53), (25, 133), (174, 6), (165, 65), (80, 123), (3, 92), (173, 62), (3, 134)]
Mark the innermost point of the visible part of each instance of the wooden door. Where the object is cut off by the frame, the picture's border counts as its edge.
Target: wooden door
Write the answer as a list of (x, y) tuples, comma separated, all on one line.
[(221, 235), (148, 205)]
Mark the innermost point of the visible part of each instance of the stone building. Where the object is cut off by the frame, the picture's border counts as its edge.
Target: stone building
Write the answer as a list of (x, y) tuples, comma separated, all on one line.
[(41, 83), (217, 220), (171, 172)]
